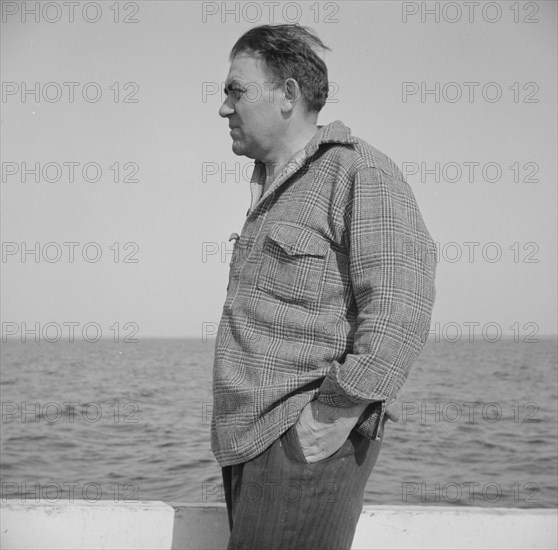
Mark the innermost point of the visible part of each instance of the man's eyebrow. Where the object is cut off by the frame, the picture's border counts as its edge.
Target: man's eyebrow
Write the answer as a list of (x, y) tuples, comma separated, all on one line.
[(230, 85)]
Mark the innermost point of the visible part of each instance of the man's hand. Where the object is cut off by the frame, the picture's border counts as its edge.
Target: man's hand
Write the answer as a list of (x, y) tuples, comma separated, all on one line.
[(323, 429)]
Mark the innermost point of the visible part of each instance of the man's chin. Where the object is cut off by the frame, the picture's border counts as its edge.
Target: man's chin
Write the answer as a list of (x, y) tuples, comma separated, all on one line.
[(237, 148), (240, 150)]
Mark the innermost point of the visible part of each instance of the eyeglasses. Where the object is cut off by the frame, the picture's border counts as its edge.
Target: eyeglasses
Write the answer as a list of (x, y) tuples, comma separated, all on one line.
[(252, 89)]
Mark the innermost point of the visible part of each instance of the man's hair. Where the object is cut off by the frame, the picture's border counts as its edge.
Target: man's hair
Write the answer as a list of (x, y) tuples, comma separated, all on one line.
[(288, 52)]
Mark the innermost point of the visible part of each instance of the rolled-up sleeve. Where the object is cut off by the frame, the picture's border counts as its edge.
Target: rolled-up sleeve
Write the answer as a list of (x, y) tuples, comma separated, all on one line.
[(392, 263)]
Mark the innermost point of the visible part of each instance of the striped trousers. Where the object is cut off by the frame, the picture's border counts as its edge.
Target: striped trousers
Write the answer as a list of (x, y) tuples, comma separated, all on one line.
[(277, 501)]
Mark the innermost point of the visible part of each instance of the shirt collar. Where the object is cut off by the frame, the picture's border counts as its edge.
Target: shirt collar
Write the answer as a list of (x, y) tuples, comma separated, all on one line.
[(334, 132)]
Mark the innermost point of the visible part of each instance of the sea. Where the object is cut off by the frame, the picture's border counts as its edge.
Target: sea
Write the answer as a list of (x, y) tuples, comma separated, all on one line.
[(129, 421)]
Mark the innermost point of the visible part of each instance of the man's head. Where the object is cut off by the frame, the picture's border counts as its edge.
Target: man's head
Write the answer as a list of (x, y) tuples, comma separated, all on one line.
[(276, 82)]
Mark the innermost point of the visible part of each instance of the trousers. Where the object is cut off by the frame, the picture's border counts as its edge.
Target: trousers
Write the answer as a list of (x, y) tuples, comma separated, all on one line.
[(278, 501)]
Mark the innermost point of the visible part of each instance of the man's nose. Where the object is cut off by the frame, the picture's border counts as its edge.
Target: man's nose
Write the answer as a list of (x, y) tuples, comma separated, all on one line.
[(226, 109)]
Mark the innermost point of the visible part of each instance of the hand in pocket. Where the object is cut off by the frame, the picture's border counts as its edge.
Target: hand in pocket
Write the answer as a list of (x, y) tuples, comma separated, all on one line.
[(322, 429)]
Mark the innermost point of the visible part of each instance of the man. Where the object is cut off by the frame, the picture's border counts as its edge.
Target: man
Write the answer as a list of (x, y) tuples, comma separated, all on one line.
[(330, 292)]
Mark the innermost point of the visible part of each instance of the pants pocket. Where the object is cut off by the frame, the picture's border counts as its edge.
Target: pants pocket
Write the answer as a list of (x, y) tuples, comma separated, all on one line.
[(293, 449), (291, 446)]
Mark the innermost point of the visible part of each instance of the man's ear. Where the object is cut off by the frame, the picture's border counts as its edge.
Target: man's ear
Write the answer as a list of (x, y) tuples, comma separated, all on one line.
[(291, 93)]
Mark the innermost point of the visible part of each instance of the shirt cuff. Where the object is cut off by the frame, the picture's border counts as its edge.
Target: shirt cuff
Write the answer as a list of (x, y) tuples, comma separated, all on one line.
[(331, 393)]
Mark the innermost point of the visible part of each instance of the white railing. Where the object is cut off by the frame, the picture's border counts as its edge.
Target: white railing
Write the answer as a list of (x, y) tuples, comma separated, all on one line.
[(156, 525)]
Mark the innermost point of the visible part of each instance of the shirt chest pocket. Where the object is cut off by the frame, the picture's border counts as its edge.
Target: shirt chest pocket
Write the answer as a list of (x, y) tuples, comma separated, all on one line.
[(293, 263)]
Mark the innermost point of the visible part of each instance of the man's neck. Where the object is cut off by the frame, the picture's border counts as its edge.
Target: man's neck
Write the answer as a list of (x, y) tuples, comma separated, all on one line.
[(292, 145)]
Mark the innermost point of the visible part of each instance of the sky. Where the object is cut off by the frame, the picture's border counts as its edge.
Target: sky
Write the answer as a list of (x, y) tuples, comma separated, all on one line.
[(120, 188)]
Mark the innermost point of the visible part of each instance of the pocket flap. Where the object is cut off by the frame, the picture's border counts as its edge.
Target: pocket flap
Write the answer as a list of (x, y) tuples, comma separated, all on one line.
[(297, 241)]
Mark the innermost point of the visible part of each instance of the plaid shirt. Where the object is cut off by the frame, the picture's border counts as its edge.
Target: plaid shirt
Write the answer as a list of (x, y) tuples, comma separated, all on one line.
[(330, 293)]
